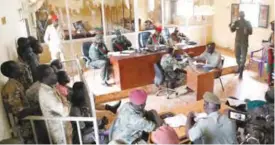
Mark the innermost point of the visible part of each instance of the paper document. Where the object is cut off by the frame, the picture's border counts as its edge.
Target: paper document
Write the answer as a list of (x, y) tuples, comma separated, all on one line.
[(128, 51), (200, 116), (176, 121), (234, 102)]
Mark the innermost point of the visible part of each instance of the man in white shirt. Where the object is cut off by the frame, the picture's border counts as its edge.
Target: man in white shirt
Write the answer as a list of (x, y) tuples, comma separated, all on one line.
[(211, 57), (52, 104), (53, 37), (215, 128)]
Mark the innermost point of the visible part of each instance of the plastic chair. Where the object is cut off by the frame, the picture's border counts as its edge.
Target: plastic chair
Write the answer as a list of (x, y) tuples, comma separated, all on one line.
[(259, 60), (160, 79)]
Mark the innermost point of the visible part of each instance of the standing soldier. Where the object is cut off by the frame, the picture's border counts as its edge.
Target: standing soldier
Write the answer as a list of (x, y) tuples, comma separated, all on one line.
[(243, 29)]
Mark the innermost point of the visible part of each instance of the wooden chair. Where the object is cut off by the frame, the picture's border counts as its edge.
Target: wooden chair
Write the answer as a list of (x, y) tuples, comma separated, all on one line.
[(218, 72)]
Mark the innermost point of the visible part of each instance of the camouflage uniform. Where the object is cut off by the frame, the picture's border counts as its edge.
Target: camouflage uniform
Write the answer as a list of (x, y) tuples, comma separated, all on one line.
[(26, 79), (120, 44), (130, 124), (170, 65), (156, 40), (14, 102)]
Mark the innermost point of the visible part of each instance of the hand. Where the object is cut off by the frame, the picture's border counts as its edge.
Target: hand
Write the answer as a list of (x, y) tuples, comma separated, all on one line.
[(191, 115)]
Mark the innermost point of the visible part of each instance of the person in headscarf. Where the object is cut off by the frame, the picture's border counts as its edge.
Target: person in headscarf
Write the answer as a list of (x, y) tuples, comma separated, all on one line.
[(156, 38), (120, 42), (165, 135), (133, 120), (98, 53), (53, 37)]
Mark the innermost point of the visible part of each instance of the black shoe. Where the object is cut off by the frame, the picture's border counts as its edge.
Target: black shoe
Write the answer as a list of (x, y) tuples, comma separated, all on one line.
[(113, 108), (106, 84)]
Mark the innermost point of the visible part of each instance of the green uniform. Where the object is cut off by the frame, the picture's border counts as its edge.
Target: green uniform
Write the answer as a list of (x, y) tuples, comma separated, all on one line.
[(98, 55), (121, 43), (14, 102), (243, 29)]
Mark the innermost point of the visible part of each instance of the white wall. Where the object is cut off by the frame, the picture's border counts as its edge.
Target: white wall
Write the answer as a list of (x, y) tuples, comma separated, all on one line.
[(223, 36), (9, 32)]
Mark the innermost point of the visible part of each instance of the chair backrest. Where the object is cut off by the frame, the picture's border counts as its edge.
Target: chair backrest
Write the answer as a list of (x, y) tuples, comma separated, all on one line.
[(159, 74), (143, 38), (86, 48), (219, 72)]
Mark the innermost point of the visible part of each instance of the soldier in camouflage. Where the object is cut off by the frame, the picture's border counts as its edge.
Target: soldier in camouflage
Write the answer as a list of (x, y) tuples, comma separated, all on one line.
[(120, 42), (14, 100)]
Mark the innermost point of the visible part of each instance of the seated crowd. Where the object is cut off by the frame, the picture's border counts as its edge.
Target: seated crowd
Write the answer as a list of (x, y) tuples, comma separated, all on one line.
[(43, 90)]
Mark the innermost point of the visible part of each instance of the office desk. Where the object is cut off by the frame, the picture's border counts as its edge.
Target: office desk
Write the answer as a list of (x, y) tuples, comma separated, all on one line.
[(200, 81), (137, 70), (193, 107)]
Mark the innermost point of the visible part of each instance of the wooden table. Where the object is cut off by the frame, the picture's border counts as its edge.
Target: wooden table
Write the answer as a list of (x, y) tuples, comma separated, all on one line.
[(200, 81), (194, 107), (137, 70)]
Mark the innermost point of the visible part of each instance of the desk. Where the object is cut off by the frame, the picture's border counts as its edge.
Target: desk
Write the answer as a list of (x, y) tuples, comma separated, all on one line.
[(195, 107), (137, 70), (200, 81)]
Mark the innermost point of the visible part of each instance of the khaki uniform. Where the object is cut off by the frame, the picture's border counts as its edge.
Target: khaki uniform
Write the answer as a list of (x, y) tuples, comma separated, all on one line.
[(215, 129), (14, 102)]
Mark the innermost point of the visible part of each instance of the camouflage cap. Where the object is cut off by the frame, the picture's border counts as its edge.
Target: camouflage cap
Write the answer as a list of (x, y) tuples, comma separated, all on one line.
[(211, 98)]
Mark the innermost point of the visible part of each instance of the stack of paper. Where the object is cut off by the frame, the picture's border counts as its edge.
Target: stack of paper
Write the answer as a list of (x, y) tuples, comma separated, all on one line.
[(200, 116), (176, 121)]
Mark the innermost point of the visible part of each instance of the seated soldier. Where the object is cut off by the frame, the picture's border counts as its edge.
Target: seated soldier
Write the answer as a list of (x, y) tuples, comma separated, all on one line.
[(27, 56), (14, 101), (27, 78), (99, 55), (172, 68), (148, 24), (132, 120), (215, 128), (156, 38), (179, 36), (57, 65), (120, 42), (210, 57)]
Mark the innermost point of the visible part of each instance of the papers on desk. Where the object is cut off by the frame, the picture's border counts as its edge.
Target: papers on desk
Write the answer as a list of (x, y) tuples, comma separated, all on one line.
[(117, 54), (235, 102), (176, 121)]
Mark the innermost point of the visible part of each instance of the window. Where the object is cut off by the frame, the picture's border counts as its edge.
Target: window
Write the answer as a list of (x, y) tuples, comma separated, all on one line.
[(251, 13)]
